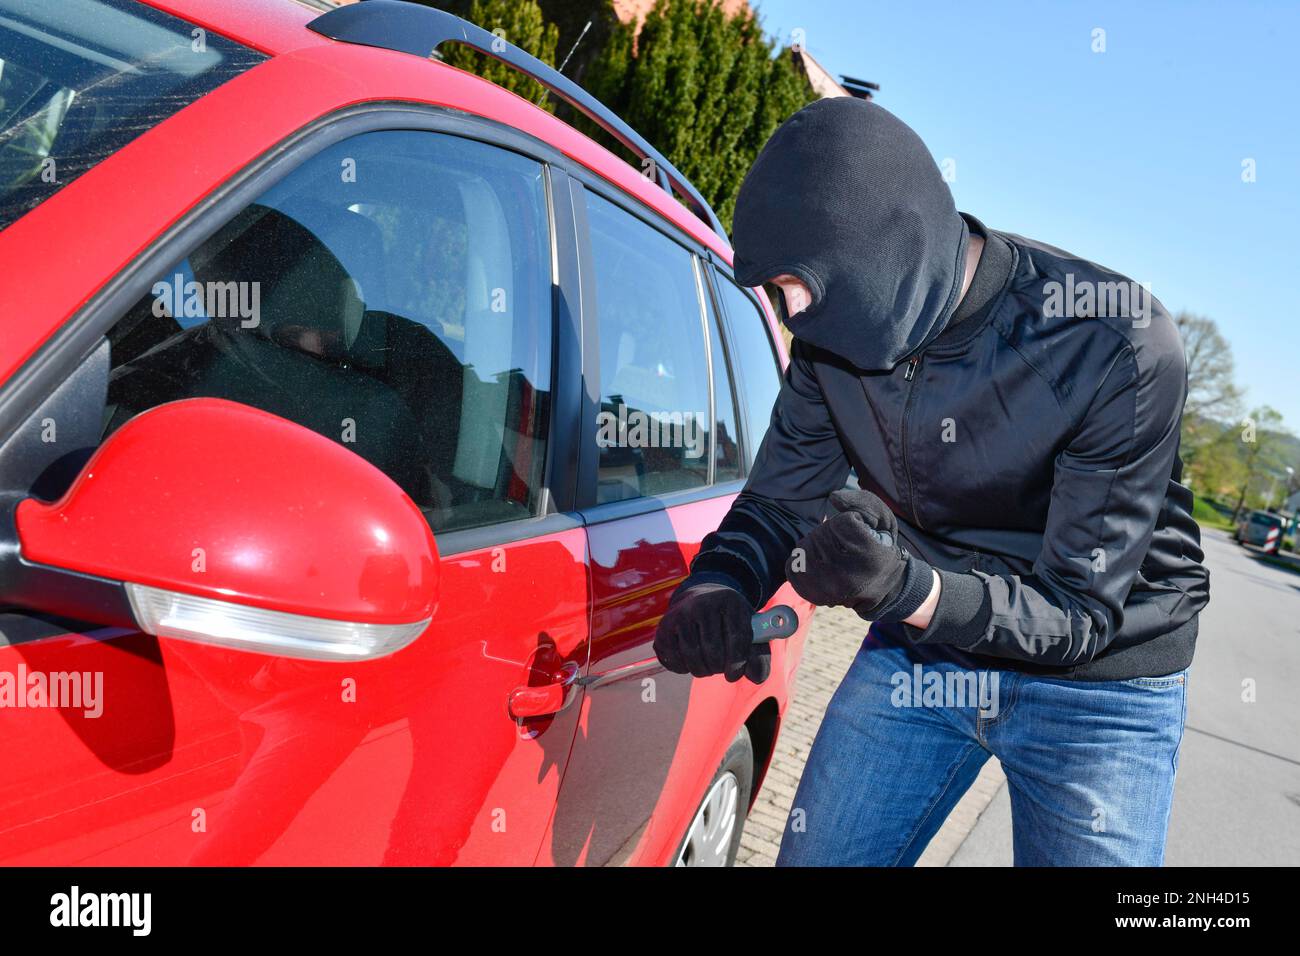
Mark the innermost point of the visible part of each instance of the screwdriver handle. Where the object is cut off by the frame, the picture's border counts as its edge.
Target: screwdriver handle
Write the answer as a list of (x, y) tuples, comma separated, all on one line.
[(775, 622)]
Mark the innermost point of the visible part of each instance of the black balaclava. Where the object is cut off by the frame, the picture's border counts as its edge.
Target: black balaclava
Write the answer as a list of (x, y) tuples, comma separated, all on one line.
[(847, 198)]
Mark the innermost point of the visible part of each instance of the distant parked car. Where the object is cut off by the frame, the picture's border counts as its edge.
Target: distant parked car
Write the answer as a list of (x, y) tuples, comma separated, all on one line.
[(1263, 529)]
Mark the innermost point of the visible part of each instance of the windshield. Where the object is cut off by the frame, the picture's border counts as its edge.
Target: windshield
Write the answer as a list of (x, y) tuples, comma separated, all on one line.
[(79, 79)]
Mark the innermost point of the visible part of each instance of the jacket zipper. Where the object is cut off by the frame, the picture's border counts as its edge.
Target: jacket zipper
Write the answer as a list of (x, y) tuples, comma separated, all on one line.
[(908, 377)]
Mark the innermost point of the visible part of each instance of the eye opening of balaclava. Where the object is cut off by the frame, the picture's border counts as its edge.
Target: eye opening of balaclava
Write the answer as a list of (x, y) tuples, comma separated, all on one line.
[(776, 296), (845, 197)]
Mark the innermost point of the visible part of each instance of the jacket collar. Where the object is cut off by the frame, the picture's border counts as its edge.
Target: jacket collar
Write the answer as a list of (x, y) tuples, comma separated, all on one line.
[(991, 274)]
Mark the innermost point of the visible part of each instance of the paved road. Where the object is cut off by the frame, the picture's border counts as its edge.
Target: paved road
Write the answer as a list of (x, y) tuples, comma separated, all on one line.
[(1238, 795)]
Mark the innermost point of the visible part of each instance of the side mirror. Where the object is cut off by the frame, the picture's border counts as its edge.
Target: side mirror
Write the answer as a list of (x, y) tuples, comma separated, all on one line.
[(211, 521)]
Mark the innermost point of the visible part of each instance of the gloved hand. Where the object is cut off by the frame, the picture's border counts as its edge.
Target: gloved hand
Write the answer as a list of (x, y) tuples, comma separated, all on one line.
[(707, 630), (853, 559)]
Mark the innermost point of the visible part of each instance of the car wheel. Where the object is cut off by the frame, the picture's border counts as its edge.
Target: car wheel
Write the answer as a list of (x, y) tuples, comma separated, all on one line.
[(714, 834)]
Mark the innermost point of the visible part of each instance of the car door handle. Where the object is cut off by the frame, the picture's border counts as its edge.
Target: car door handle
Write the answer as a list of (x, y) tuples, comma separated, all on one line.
[(545, 699), (552, 697)]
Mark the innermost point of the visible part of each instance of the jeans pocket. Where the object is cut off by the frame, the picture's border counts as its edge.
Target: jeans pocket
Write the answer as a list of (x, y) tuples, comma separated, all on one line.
[(1158, 683)]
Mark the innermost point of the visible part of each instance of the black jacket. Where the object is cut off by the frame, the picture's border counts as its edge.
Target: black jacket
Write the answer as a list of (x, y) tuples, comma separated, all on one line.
[(1030, 452)]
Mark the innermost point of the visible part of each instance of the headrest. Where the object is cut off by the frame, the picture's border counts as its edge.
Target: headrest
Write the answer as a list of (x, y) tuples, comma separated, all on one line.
[(307, 299)]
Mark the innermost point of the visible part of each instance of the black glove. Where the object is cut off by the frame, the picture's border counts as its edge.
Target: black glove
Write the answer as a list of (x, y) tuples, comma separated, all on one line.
[(707, 630), (853, 560)]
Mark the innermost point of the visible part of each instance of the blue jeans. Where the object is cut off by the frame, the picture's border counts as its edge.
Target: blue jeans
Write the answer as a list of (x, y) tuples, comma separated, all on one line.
[(1090, 765)]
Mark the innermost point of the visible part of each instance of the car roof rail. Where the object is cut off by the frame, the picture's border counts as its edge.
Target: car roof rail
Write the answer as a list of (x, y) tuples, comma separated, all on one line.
[(420, 30)]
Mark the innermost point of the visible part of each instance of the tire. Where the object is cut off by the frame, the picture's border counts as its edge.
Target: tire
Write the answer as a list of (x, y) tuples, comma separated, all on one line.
[(708, 842)]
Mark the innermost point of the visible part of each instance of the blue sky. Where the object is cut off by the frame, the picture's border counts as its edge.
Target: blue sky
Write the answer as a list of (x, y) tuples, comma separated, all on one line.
[(1131, 157)]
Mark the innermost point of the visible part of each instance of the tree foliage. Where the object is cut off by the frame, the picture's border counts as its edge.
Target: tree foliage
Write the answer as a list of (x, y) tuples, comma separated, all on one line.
[(1211, 390), (1262, 458), (704, 88), (585, 27), (1210, 447), (519, 22), (1241, 460)]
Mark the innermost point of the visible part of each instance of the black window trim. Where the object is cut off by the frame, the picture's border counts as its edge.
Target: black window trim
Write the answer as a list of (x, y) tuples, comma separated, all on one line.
[(78, 338), (727, 339), (697, 275), (630, 204), (646, 504), (718, 275)]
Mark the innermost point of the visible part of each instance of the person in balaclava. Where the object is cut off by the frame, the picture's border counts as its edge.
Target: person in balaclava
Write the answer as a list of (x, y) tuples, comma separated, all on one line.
[(1017, 533)]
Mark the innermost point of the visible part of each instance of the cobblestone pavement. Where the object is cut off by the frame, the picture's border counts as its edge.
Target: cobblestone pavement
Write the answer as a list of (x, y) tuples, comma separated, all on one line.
[(833, 641)]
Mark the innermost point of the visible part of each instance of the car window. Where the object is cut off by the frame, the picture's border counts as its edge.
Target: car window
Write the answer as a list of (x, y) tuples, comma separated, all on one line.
[(654, 397), (759, 371), (79, 79), (726, 451), (393, 293)]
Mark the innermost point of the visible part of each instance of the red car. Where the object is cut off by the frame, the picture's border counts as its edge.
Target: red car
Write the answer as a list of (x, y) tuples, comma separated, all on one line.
[(358, 420)]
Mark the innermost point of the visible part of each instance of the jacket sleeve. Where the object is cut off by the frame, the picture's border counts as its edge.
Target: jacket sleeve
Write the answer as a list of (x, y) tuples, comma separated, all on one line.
[(1108, 490), (800, 462)]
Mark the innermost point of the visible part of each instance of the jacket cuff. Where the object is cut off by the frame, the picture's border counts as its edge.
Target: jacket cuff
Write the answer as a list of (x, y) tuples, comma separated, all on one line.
[(918, 582), (961, 617)]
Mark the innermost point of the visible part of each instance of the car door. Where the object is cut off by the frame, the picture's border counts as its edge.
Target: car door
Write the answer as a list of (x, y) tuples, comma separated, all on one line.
[(399, 290), (665, 464)]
